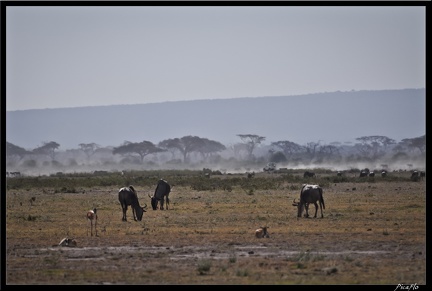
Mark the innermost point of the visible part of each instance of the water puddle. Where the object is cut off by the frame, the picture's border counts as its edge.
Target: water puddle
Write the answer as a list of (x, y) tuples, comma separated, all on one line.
[(179, 253)]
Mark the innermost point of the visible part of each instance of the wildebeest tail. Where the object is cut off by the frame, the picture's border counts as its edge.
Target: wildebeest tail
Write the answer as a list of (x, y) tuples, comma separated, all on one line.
[(322, 197)]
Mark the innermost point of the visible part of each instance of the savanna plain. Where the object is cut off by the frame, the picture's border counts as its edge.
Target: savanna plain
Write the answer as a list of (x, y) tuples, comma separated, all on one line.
[(373, 230)]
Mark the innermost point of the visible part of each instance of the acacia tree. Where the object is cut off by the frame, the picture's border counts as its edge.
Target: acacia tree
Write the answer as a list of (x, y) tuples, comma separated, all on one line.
[(328, 151), (210, 147), (415, 143), (89, 148), (185, 145), (165, 144), (48, 148), (288, 147), (373, 146), (143, 149), (251, 141), (15, 151), (311, 148)]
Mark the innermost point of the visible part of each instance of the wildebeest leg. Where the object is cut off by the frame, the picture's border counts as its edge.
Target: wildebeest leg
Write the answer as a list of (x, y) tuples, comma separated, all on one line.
[(316, 209), (322, 215), (162, 203), (124, 213), (306, 206), (133, 212)]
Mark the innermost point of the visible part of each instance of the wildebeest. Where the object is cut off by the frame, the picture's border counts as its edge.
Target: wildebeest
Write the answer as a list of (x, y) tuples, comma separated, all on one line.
[(310, 194), (371, 174), (383, 173), (339, 173), (417, 176), (308, 174), (422, 174), (161, 193), (128, 196), (262, 232)]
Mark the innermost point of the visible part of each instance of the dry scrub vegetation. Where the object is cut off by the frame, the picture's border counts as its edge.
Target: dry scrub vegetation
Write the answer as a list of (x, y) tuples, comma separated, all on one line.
[(373, 232)]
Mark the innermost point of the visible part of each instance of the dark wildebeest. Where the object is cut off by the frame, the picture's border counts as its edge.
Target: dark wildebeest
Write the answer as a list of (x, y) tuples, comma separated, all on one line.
[(308, 174), (128, 196), (310, 194), (422, 175), (417, 176), (371, 174), (161, 193), (383, 173)]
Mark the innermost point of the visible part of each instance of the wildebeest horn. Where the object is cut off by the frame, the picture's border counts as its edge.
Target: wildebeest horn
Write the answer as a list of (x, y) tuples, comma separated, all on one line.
[(149, 196), (295, 203)]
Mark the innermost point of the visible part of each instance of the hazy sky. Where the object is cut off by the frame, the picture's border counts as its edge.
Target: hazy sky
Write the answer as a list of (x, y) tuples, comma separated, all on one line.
[(87, 56)]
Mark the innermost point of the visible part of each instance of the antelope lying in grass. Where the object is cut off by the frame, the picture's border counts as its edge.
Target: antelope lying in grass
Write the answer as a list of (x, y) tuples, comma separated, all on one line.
[(262, 232), (68, 242), (92, 218)]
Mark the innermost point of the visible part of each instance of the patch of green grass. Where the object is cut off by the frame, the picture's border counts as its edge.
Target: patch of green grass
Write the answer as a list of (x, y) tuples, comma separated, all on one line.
[(204, 266)]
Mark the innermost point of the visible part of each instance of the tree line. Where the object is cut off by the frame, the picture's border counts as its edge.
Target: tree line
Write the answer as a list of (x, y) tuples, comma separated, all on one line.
[(366, 148)]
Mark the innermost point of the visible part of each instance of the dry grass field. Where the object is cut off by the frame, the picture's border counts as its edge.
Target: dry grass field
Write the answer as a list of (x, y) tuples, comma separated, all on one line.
[(373, 232)]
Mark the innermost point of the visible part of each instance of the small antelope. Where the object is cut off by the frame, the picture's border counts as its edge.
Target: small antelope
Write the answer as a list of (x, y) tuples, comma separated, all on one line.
[(68, 242), (92, 218), (262, 232)]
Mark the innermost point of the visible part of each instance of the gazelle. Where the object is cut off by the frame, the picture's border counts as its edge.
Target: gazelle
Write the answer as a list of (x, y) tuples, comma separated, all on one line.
[(68, 242), (92, 218), (262, 232)]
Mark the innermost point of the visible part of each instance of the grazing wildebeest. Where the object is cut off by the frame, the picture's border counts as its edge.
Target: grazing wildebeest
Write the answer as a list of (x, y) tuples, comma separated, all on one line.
[(308, 174), (339, 173), (161, 193), (371, 174), (383, 173), (128, 196), (310, 194), (262, 232)]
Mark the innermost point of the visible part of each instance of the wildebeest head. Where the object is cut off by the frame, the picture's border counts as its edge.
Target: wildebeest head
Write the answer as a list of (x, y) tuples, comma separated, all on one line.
[(140, 212), (153, 202), (300, 207)]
